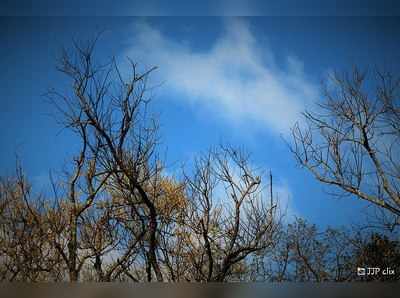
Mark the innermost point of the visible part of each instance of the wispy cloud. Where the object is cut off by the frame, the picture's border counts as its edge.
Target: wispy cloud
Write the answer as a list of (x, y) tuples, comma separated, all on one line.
[(284, 197), (234, 78)]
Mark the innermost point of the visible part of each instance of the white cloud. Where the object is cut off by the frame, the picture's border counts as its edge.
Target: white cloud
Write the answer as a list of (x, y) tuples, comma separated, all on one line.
[(234, 78), (284, 197)]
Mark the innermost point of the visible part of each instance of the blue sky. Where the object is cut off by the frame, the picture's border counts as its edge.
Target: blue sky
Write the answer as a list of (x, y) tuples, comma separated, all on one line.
[(242, 81)]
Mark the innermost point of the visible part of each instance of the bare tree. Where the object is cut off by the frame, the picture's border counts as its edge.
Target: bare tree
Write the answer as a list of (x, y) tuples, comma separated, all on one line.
[(307, 253), (351, 141), (110, 113), (228, 219), (25, 252)]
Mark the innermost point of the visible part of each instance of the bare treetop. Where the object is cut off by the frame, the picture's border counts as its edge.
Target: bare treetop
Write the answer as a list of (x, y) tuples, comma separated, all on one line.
[(352, 140)]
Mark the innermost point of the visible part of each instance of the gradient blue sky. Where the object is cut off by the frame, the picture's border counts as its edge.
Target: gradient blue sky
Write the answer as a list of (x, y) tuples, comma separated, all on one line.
[(241, 81)]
